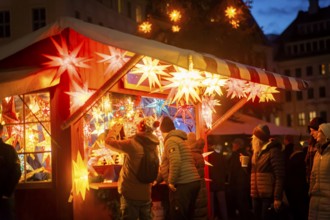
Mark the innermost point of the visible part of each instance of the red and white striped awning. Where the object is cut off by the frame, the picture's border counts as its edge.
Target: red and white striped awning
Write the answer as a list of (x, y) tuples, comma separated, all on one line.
[(157, 50)]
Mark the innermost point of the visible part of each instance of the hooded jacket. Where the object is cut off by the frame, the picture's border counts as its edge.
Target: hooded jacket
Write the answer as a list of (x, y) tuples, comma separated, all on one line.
[(178, 165), (128, 184), (267, 172)]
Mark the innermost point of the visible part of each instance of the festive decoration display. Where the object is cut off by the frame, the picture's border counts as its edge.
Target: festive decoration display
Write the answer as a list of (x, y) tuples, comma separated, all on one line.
[(175, 15), (79, 96), (184, 110), (208, 104), (145, 27), (115, 60), (66, 61), (213, 83), (80, 176)]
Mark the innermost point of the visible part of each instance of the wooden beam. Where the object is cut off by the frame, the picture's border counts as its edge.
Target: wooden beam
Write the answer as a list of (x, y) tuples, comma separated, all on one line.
[(101, 91), (228, 113)]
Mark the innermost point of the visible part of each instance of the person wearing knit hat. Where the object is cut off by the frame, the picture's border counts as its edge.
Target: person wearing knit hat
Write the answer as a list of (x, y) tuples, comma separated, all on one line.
[(262, 132), (320, 176), (267, 172), (135, 195), (178, 171), (167, 125)]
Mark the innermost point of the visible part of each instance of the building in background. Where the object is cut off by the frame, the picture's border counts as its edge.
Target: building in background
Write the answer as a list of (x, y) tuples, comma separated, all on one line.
[(303, 51)]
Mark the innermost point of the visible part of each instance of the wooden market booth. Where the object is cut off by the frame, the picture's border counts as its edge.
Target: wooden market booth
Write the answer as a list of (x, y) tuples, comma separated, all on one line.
[(43, 74)]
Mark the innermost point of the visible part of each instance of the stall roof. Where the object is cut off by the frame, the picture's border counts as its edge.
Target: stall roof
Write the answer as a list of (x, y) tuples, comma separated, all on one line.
[(12, 83), (244, 124)]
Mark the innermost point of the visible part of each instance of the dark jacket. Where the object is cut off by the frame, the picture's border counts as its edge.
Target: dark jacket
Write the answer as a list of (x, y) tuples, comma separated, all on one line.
[(201, 210), (218, 170), (10, 171), (267, 172), (128, 184)]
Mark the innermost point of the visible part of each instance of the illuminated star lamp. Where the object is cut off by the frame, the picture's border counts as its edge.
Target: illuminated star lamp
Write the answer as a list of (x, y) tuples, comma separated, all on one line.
[(151, 70), (159, 106), (231, 12), (184, 110), (115, 60), (175, 15), (80, 176), (263, 92), (79, 95), (175, 28), (145, 27), (184, 85), (208, 108), (213, 84), (236, 88), (66, 60)]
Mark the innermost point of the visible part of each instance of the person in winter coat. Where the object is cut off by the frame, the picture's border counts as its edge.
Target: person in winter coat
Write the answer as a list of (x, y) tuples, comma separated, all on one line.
[(267, 172), (296, 187), (239, 183), (179, 172), (319, 189), (197, 147), (135, 196), (10, 174), (313, 128)]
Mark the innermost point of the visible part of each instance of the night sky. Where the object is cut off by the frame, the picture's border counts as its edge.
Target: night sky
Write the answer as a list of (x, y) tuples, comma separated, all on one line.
[(274, 16)]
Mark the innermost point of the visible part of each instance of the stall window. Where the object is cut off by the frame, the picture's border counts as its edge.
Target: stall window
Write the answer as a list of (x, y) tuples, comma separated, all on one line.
[(26, 120)]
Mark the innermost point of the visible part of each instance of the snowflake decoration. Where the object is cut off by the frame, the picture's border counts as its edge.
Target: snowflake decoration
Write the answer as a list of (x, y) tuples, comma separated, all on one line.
[(80, 176), (66, 61), (213, 83), (184, 85), (235, 88), (150, 69), (115, 60)]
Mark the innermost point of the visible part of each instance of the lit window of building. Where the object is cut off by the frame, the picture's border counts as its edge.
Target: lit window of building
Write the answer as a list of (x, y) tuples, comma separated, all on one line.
[(301, 119)]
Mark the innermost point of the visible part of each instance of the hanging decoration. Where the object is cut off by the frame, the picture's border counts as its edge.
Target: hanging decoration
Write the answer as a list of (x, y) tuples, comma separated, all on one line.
[(151, 70), (175, 15), (213, 84), (235, 88), (145, 27), (263, 92), (184, 110), (159, 107), (79, 96), (205, 154), (66, 60), (208, 108), (80, 176), (115, 60), (175, 28)]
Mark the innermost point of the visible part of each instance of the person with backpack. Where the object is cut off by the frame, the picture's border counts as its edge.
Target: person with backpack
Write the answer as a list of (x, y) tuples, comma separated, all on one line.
[(179, 172), (10, 174), (134, 188)]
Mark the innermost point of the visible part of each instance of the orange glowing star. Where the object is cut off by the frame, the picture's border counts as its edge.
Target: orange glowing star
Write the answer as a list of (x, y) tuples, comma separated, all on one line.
[(115, 60), (234, 23), (151, 70), (66, 61), (213, 83), (80, 176), (230, 12), (145, 27), (175, 15), (176, 28)]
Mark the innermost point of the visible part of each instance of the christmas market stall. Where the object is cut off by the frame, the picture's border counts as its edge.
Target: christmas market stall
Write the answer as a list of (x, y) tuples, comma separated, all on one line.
[(63, 86)]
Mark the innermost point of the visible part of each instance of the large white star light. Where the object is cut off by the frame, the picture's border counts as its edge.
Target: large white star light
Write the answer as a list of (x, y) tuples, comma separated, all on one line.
[(66, 60), (263, 92), (184, 85), (150, 69), (235, 88), (115, 60), (213, 83)]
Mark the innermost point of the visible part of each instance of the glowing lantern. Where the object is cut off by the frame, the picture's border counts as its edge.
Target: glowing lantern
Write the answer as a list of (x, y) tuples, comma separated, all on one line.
[(80, 176), (175, 28), (145, 27), (66, 60), (79, 96), (175, 15), (213, 83), (230, 12), (208, 104), (235, 88)]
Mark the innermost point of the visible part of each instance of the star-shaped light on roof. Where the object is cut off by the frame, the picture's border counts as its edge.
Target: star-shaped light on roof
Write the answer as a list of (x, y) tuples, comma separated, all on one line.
[(184, 85), (150, 69), (66, 60), (213, 83), (263, 92), (235, 88), (80, 176), (115, 60)]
